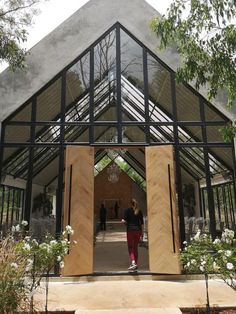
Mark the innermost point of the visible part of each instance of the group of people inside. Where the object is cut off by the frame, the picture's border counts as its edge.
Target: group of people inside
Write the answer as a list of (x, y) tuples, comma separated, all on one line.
[(133, 219)]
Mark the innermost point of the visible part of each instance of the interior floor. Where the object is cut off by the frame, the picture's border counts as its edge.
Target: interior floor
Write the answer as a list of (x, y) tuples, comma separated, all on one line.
[(111, 253)]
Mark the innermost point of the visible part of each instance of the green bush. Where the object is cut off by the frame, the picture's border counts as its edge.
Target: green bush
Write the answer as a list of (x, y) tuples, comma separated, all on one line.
[(24, 262)]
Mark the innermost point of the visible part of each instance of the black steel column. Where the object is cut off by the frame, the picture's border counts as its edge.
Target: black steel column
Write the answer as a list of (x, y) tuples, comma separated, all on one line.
[(146, 96), (91, 97), (210, 195), (2, 150), (59, 198), (234, 176), (118, 84), (177, 161), (28, 190), (218, 203), (200, 198)]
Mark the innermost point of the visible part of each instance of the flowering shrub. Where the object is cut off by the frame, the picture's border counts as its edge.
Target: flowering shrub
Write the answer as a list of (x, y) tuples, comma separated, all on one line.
[(24, 262), (202, 255), (12, 269)]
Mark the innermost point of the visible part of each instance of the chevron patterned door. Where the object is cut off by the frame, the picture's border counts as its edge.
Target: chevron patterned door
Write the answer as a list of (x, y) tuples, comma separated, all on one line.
[(163, 234), (79, 208)]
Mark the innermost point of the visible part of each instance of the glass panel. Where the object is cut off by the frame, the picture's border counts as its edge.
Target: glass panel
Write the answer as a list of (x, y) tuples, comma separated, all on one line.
[(193, 219), (105, 74), (24, 114), (192, 160), (190, 134), (212, 114), (221, 161), (105, 134), (47, 134), (159, 89), (16, 162), (134, 134), (162, 134), (43, 208), (11, 207), (104, 112), (102, 164), (188, 108), (17, 134), (132, 77), (8, 152), (213, 134), (77, 85), (49, 103), (76, 134)]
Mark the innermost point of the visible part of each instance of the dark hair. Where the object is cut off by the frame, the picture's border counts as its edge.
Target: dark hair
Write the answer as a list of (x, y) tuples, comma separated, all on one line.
[(135, 206)]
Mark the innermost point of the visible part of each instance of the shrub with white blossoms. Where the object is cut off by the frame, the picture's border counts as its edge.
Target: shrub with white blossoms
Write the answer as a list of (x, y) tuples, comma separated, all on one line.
[(202, 255), (27, 264)]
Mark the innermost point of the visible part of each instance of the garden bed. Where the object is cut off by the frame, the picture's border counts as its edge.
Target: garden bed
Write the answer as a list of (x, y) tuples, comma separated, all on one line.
[(213, 310)]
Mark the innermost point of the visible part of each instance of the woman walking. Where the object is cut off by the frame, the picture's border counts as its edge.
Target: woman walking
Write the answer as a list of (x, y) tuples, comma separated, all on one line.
[(133, 218)]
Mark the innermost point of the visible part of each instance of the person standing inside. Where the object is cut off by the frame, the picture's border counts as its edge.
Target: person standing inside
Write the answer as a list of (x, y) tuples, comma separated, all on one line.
[(133, 218), (116, 208), (103, 217)]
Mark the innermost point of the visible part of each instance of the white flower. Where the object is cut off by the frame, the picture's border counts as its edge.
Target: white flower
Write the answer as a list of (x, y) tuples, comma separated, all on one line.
[(215, 266), (45, 246), (53, 242), (29, 264), (14, 265), (35, 242), (13, 228), (228, 236), (196, 237), (69, 229), (24, 223), (193, 261), (188, 264), (27, 238), (228, 253), (229, 266), (203, 262), (62, 264), (216, 241), (58, 258), (17, 228), (26, 247), (220, 251), (75, 242), (202, 268), (185, 242)]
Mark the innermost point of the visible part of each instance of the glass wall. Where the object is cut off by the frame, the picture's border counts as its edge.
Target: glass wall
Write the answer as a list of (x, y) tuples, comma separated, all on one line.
[(118, 93)]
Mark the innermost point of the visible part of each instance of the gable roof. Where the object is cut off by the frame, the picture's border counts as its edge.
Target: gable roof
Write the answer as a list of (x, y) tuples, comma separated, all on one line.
[(71, 38)]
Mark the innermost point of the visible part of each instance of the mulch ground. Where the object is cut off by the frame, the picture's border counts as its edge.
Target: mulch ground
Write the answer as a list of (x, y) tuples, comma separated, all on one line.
[(216, 310)]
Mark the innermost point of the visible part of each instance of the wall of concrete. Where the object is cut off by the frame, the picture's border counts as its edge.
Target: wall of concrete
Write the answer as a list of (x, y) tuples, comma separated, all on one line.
[(71, 38)]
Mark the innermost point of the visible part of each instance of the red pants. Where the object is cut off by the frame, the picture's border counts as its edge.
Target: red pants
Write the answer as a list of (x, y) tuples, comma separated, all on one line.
[(133, 238)]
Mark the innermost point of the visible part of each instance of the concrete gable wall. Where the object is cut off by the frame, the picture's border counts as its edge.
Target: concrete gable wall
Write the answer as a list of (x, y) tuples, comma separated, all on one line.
[(71, 38)]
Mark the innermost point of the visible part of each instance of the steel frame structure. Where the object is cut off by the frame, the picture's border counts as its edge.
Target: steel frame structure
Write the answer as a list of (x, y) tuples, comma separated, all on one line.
[(60, 125)]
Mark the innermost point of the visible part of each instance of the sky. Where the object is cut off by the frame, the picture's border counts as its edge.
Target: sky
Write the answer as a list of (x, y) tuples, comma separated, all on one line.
[(54, 12)]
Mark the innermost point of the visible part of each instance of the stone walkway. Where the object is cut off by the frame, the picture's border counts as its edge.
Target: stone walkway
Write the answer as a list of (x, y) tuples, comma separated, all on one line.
[(136, 294), (119, 292)]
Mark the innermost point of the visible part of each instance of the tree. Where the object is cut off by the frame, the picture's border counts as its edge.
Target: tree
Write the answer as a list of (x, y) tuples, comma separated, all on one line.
[(15, 17), (205, 35)]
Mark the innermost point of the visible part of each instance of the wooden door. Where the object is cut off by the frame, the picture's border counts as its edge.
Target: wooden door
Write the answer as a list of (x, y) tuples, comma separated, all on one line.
[(163, 234), (79, 208)]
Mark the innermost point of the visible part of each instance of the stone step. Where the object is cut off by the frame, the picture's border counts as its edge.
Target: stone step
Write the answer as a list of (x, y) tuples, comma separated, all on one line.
[(132, 311)]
